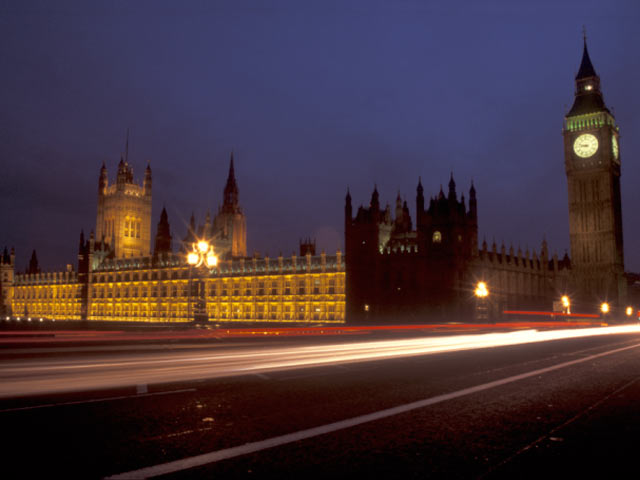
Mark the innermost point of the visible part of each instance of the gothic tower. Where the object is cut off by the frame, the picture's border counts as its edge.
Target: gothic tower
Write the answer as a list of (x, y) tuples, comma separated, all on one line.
[(163, 235), (229, 225), (592, 164), (7, 273), (124, 212)]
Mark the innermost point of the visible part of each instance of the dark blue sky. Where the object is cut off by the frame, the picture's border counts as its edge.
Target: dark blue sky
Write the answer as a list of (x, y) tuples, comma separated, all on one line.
[(313, 97)]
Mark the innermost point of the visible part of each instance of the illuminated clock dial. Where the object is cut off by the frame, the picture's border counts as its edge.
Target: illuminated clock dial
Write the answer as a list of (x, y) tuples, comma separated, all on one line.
[(585, 145), (614, 146)]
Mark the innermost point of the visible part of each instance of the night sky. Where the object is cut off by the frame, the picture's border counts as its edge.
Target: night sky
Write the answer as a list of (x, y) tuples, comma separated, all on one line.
[(313, 98)]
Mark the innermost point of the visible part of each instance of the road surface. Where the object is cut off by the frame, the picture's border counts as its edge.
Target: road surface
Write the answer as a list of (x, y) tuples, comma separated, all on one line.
[(437, 407)]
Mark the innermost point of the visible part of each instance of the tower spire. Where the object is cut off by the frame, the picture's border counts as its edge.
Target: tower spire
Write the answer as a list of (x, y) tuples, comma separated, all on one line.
[(231, 188), (588, 97), (586, 67)]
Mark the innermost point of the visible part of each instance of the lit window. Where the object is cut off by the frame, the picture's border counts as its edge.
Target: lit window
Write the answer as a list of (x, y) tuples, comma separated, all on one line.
[(437, 237)]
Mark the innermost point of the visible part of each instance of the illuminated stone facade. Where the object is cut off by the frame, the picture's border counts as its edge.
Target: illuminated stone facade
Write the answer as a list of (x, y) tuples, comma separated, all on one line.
[(294, 289), (118, 280), (124, 212), (308, 289), (53, 295)]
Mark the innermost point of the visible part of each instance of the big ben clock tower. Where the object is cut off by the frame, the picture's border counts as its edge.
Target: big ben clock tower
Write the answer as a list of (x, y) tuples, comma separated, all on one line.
[(592, 163)]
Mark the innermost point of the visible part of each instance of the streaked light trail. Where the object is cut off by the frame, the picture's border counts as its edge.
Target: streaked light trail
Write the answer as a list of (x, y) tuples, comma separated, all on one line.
[(88, 372)]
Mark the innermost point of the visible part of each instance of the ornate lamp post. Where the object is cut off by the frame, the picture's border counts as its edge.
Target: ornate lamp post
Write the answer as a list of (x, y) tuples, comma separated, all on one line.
[(200, 257)]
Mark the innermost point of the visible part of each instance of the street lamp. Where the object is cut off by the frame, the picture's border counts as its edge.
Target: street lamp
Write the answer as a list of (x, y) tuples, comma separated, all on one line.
[(200, 256), (482, 292), (566, 304), (604, 308), (629, 311)]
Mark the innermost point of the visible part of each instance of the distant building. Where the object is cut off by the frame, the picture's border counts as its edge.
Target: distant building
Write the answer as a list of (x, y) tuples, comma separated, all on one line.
[(396, 273), (118, 279)]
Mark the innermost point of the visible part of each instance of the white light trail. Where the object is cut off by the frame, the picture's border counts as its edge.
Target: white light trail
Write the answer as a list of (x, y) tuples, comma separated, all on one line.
[(33, 376)]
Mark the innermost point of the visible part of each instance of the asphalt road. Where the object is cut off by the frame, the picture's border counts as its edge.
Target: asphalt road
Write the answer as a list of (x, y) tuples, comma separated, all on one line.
[(557, 408)]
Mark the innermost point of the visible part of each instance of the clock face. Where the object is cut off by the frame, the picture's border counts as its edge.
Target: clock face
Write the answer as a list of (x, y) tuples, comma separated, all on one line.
[(585, 145), (614, 146)]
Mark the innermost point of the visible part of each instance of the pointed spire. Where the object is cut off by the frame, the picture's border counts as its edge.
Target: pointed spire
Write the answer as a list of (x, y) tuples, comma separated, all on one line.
[(103, 179), (586, 67), (207, 231), (348, 210), (163, 234), (231, 188), (452, 189), (399, 211), (33, 264), (588, 97), (147, 184), (375, 198), (419, 204)]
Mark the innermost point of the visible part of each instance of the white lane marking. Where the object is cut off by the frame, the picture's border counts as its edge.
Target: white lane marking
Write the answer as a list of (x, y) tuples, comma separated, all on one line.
[(212, 457), (95, 400)]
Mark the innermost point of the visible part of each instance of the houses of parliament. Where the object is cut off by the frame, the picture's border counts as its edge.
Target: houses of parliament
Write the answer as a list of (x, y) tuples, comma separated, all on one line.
[(395, 268)]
